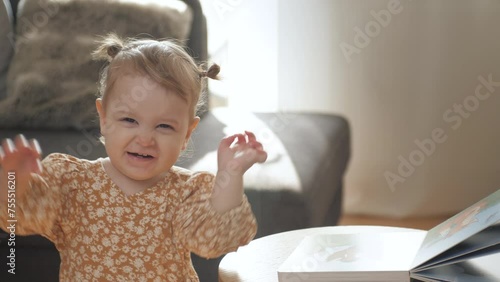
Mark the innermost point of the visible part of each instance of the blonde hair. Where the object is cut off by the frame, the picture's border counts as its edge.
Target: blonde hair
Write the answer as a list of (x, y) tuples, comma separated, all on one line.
[(164, 61)]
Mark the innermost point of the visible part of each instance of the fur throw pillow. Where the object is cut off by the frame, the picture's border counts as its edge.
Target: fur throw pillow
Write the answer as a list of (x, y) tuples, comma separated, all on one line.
[(52, 79)]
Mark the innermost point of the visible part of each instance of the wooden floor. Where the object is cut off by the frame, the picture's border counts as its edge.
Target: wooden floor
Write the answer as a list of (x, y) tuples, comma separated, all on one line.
[(424, 223)]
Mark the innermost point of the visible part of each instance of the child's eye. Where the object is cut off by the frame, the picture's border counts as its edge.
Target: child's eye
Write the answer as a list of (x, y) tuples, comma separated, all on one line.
[(129, 120), (165, 126)]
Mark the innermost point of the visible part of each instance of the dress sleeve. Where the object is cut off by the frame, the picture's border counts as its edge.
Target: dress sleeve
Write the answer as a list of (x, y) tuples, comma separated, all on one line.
[(203, 230), (38, 210)]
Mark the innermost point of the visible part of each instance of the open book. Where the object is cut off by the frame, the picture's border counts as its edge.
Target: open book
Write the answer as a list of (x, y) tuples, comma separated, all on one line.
[(465, 247)]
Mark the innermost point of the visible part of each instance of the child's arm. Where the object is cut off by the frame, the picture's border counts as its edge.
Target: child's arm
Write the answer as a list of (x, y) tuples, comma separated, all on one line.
[(18, 160), (226, 221), (233, 161)]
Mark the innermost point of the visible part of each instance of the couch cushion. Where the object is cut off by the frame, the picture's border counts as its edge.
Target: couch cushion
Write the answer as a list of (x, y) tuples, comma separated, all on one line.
[(52, 80), (6, 44)]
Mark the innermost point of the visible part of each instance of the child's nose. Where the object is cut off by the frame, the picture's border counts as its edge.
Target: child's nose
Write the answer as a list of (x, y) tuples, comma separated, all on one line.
[(145, 137)]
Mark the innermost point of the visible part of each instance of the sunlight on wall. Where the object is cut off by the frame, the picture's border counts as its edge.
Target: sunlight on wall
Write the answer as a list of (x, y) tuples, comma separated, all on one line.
[(275, 54), (243, 40)]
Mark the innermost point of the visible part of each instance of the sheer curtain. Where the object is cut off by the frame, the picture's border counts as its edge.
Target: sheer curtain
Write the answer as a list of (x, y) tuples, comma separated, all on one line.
[(419, 82)]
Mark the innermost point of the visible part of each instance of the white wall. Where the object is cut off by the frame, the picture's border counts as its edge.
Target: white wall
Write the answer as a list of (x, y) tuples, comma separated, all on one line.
[(404, 81)]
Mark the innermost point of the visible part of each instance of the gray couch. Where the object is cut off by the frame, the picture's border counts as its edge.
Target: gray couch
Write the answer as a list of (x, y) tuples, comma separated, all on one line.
[(299, 187)]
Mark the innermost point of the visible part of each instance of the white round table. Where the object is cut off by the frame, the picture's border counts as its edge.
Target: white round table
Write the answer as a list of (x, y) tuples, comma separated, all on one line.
[(261, 258)]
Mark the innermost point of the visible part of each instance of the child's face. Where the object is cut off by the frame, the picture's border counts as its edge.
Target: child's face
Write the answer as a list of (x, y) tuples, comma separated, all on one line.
[(145, 127)]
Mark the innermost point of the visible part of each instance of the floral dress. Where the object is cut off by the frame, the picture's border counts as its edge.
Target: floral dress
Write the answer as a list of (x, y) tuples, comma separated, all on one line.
[(102, 234)]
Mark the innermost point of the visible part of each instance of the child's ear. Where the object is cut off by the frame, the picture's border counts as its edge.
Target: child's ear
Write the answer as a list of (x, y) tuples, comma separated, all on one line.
[(102, 114), (191, 128)]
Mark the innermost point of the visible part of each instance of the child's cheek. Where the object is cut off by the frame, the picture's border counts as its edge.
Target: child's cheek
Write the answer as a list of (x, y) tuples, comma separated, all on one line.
[(110, 128)]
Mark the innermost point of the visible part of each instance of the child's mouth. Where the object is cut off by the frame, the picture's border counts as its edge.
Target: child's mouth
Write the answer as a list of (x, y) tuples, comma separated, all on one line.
[(142, 156)]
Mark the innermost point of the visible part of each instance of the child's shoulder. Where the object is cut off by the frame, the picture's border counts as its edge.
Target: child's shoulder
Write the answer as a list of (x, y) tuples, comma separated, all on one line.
[(185, 174), (180, 171), (58, 156), (65, 160), (61, 157)]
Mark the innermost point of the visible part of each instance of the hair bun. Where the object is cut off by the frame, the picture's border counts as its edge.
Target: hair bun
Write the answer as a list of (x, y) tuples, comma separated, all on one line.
[(113, 50), (108, 47), (212, 72)]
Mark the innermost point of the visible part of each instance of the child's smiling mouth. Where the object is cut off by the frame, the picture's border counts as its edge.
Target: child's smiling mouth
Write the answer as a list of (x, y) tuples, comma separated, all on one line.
[(140, 156)]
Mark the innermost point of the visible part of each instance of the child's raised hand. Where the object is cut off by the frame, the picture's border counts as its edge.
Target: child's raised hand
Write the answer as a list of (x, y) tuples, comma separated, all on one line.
[(240, 156), (20, 156)]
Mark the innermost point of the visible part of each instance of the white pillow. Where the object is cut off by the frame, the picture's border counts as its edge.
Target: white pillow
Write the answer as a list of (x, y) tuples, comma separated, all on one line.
[(6, 43)]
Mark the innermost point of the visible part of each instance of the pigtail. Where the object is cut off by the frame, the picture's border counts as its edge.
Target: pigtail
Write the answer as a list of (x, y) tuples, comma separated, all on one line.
[(212, 72), (108, 47)]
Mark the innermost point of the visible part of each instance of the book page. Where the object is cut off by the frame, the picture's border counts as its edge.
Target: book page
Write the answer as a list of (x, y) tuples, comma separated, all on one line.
[(342, 254), (481, 269), (470, 221), (482, 243)]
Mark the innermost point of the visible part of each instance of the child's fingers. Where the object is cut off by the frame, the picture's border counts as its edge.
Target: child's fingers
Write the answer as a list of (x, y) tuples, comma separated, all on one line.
[(252, 141), (256, 145), (2, 154), (8, 146), (37, 166), (261, 156), (36, 147), (21, 143), (241, 139), (251, 136), (21, 154), (227, 141), (29, 148)]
